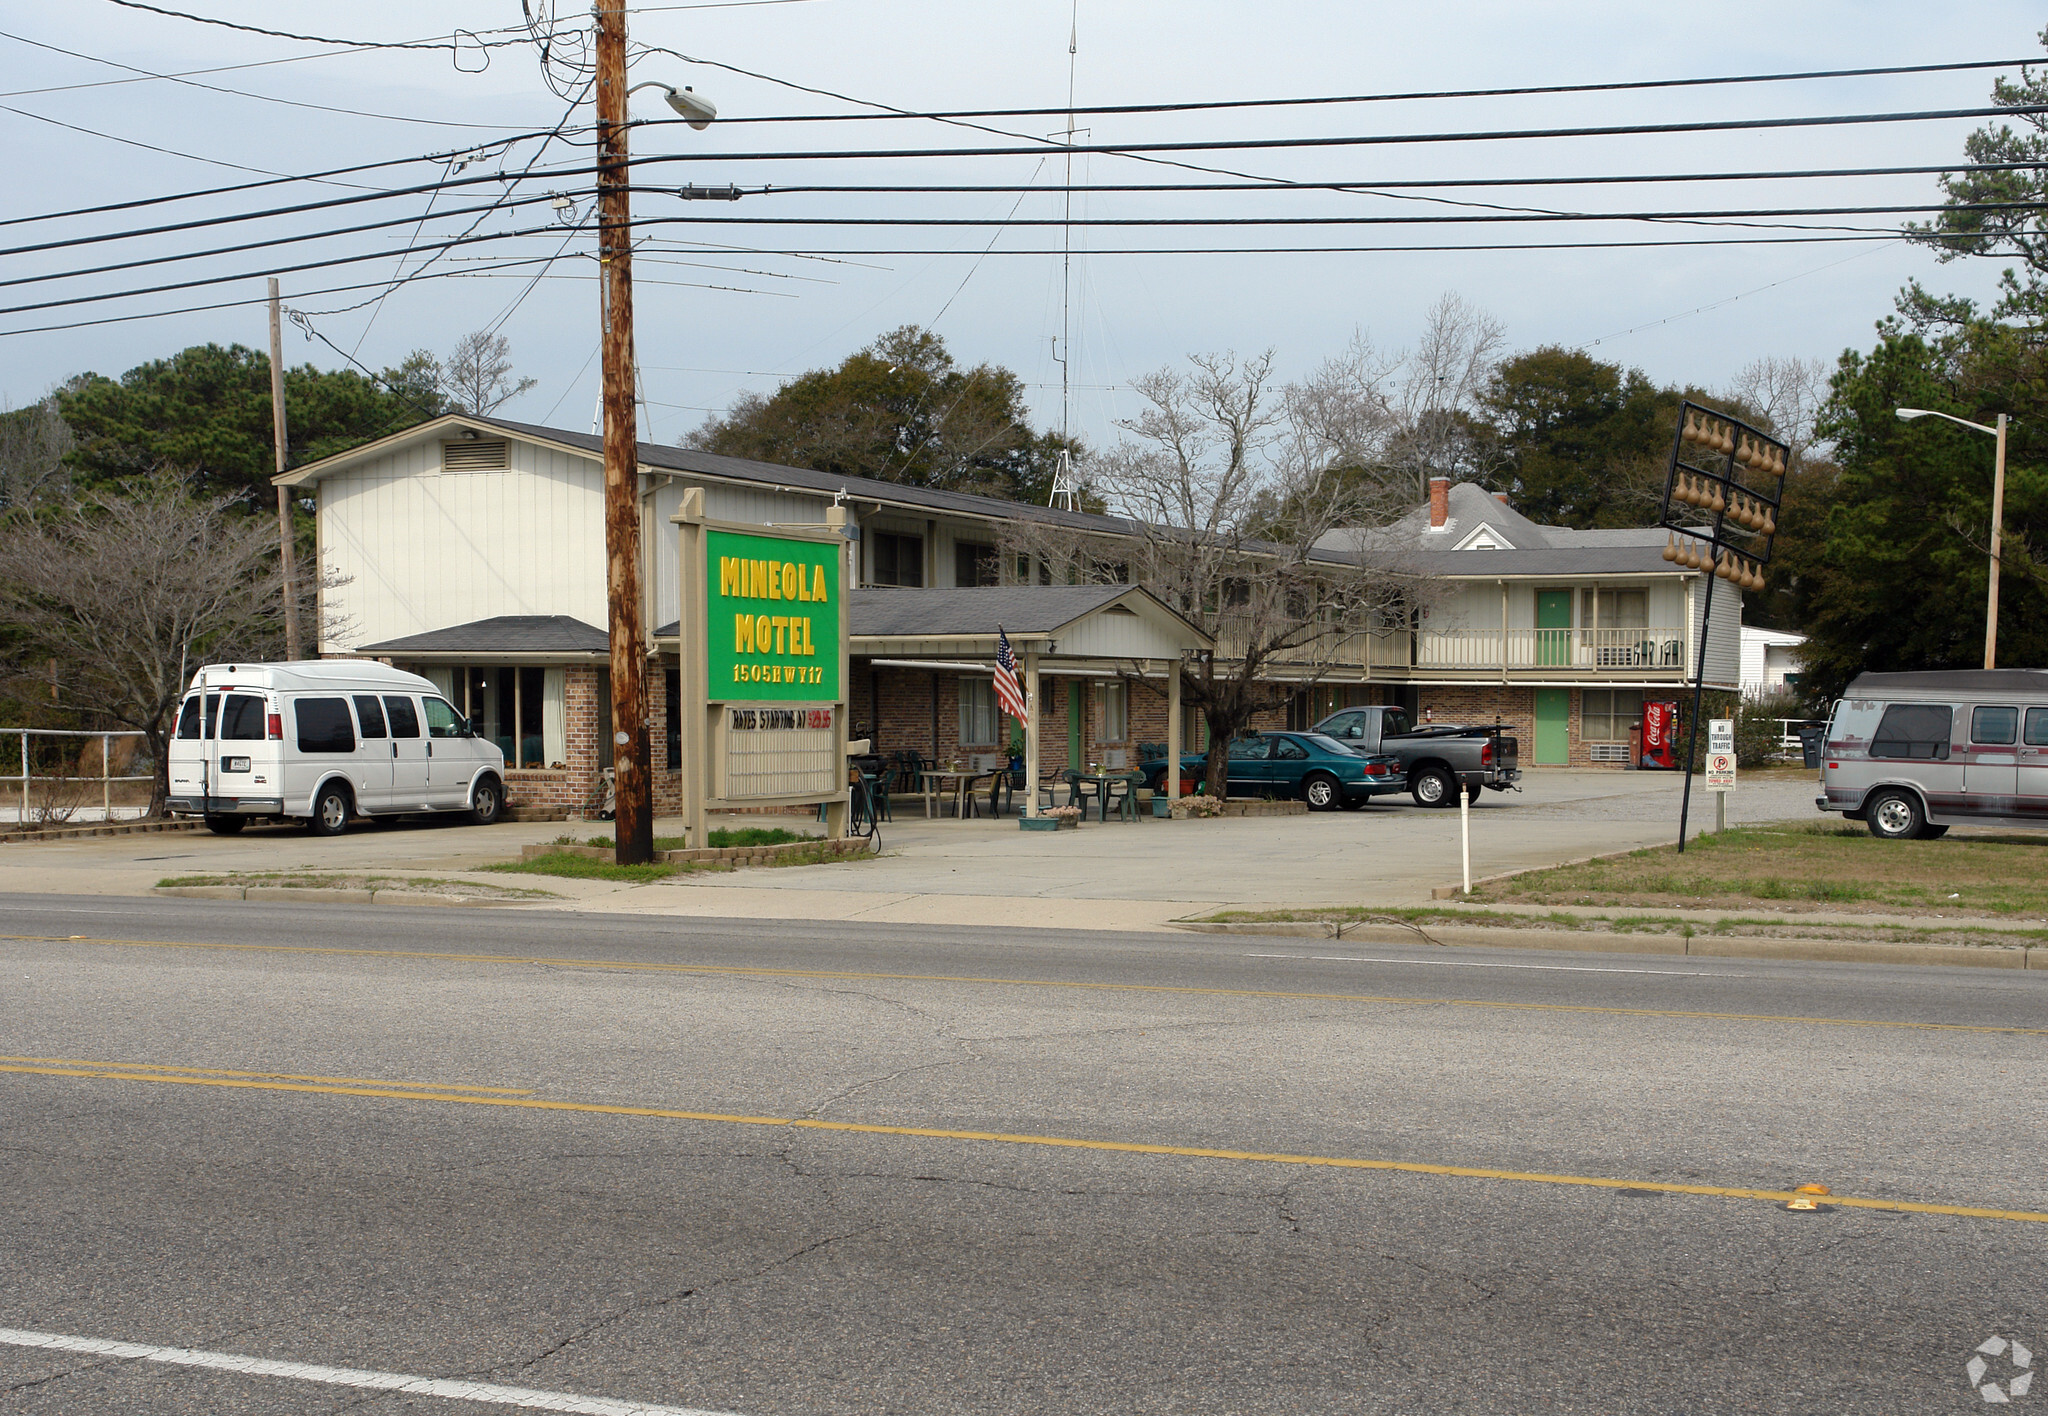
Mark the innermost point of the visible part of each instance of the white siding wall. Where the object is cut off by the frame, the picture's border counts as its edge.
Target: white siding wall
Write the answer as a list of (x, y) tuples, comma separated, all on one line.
[(1120, 636), (422, 549), (1724, 635), (758, 505)]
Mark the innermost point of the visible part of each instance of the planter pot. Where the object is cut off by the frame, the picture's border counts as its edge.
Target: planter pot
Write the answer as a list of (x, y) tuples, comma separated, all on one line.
[(1045, 823), (1162, 807)]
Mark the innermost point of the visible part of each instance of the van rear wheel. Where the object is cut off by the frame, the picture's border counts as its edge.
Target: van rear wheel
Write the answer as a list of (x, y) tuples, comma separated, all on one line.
[(1894, 816), (330, 813), (226, 825)]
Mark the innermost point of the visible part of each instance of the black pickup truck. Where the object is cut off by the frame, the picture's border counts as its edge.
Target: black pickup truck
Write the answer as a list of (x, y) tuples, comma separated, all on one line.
[(1436, 756)]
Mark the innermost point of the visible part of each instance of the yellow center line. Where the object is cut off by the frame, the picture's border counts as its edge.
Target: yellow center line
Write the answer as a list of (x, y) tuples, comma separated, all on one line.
[(1468, 1172), (267, 1076), (745, 971)]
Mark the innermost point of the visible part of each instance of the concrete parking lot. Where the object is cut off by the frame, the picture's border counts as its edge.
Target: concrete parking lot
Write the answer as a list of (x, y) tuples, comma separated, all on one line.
[(1114, 875)]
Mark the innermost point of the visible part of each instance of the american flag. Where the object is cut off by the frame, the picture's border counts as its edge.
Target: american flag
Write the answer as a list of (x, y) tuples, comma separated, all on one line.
[(1009, 692)]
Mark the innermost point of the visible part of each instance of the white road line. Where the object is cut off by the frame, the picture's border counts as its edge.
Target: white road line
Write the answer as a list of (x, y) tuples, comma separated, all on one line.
[(348, 1376), (1473, 964)]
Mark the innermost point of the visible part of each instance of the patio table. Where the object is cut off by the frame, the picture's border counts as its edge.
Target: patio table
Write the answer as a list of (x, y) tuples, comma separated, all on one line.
[(932, 785), (1100, 781)]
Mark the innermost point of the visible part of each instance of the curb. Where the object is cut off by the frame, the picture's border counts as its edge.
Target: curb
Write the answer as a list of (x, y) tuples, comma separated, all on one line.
[(1728, 946), (79, 833), (324, 895)]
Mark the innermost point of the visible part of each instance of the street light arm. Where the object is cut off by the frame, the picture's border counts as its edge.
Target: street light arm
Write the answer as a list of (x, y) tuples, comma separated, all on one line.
[(1911, 413)]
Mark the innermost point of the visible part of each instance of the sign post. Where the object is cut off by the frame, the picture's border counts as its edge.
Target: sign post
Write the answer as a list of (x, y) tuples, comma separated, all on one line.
[(764, 665), (1721, 766)]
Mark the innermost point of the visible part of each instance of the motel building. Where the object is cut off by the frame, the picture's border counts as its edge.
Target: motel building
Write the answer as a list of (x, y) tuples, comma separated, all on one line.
[(471, 551)]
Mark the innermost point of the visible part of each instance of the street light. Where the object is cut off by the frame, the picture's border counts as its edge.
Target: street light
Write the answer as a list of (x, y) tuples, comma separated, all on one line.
[(1997, 516), (692, 107)]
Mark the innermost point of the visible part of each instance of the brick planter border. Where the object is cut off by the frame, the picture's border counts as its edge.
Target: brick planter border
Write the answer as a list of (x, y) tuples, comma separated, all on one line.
[(723, 855), (117, 828)]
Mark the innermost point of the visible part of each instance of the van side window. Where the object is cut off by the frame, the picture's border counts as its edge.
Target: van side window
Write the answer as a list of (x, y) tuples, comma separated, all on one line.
[(1917, 732), (405, 723), (241, 718), (1995, 726), (442, 720), (2037, 727), (324, 725), (370, 715)]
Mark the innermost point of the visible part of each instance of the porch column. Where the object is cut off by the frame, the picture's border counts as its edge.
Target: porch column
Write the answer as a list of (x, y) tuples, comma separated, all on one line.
[(1503, 631), (1173, 730), (1031, 716)]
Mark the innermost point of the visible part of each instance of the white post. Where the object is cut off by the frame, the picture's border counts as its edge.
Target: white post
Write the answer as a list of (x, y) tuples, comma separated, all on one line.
[(1465, 831), (1030, 732), (1174, 746), (106, 777), (1720, 811), (24, 777)]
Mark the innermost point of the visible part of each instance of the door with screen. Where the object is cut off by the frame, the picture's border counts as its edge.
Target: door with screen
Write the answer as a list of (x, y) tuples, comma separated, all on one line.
[(1553, 628), (408, 753)]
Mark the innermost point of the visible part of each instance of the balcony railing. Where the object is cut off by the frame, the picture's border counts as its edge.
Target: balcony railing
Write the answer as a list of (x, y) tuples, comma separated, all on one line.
[(1567, 650)]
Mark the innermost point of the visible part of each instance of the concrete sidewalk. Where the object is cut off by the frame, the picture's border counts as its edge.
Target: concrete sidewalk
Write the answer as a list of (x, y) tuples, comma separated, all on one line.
[(1118, 875)]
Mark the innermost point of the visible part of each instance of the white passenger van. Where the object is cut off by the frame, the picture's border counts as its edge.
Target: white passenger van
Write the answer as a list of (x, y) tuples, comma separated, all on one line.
[(1911, 755), (322, 740)]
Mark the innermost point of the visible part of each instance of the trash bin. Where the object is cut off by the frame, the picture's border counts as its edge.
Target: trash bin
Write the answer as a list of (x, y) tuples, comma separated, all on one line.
[(1811, 738)]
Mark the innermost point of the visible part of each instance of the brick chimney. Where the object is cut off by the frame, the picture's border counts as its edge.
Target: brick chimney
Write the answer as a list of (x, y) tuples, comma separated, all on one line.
[(1502, 498), (1439, 502)]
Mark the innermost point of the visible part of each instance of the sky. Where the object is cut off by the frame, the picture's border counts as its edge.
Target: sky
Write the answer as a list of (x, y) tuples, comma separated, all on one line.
[(714, 323)]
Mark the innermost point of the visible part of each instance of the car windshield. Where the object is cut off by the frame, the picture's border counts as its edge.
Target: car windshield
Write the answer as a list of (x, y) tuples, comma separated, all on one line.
[(1323, 742)]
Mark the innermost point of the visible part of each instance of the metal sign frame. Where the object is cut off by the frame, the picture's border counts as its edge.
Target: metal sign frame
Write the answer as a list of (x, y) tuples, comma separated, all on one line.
[(702, 702), (1719, 464)]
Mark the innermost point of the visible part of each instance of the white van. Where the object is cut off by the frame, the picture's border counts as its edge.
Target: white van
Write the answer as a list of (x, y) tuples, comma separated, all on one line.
[(322, 740)]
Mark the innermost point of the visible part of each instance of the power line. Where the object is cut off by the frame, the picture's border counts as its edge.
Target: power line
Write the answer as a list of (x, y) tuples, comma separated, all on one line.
[(450, 43), (1218, 105), (1375, 139), (261, 97), (148, 147)]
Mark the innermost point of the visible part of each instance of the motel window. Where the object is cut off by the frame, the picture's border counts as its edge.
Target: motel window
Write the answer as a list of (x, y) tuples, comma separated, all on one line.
[(672, 717), (1607, 714), (894, 559), (975, 565), (1116, 712), (1615, 609), (977, 710)]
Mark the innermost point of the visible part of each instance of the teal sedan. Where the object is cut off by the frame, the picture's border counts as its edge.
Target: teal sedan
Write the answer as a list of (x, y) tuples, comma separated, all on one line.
[(1319, 770)]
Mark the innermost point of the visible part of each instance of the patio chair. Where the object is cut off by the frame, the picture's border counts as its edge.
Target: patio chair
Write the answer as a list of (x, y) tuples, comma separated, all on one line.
[(1079, 792), (1048, 783)]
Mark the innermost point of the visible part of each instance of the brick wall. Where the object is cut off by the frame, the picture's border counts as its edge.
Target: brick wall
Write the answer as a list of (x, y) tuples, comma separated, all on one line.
[(575, 784), (1515, 707)]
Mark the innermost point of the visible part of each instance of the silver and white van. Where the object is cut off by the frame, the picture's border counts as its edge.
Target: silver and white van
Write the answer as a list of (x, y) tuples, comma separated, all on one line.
[(1911, 755), (323, 740)]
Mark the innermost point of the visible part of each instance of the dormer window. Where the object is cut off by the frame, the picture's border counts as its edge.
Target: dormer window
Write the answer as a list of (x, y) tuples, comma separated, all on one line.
[(1485, 538)]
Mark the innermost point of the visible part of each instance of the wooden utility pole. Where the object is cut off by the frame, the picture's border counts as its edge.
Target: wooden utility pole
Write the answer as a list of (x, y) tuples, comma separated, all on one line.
[(633, 824), (286, 550)]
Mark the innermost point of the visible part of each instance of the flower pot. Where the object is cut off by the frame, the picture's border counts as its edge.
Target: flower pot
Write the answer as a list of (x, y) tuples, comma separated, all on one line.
[(1161, 806)]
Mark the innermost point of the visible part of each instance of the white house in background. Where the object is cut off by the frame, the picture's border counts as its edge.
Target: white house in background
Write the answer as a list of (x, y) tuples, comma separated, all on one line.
[(1771, 660)]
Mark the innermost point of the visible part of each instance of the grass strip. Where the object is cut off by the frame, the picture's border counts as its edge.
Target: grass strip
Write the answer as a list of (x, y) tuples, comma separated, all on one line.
[(317, 881), (576, 867)]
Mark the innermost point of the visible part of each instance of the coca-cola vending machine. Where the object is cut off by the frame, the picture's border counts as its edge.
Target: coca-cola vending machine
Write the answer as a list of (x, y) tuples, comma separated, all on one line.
[(1659, 737)]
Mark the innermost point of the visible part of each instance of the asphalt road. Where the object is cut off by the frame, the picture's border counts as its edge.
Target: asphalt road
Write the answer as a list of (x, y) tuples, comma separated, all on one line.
[(1097, 1173)]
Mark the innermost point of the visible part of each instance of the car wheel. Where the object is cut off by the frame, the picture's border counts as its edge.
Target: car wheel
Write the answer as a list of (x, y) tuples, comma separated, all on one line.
[(330, 812), (488, 803), (1894, 816), (1474, 792), (1321, 791), (226, 825), (1432, 787)]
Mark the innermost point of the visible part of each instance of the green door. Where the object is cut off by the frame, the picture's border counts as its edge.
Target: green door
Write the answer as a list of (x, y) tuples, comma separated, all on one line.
[(1553, 628), (1076, 692), (1553, 726)]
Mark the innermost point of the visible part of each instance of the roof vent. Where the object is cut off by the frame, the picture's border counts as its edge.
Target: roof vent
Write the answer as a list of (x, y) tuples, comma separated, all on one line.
[(479, 455)]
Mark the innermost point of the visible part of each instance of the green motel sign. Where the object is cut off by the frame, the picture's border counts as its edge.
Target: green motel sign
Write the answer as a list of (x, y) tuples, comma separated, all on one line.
[(775, 618)]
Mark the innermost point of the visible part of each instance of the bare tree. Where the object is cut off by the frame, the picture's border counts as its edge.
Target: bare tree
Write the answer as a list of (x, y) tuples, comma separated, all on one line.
[(1788, 393), (129, 594), (33, 445), (1439, 433), (1233, 489), (477, 376)]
